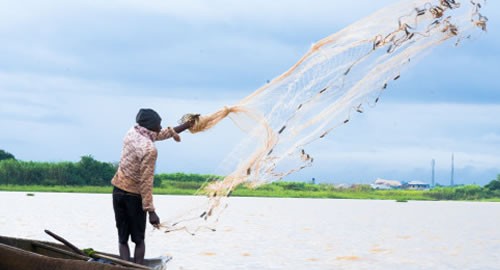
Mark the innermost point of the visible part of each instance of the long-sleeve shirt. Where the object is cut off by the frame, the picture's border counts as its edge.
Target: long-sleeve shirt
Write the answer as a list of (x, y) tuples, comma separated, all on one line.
[(135, 172)]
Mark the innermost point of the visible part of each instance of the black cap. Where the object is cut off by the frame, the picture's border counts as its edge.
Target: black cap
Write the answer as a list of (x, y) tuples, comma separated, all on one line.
[(149, 119)]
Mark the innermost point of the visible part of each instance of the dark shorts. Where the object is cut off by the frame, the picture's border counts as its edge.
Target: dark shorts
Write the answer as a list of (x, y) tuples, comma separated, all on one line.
[(129, 216)]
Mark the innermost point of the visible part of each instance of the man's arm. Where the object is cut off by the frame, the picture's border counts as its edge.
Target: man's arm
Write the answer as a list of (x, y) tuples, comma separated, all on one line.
[(174, 132), (168, 133), (146, 186), (147, 169), (180, 128)]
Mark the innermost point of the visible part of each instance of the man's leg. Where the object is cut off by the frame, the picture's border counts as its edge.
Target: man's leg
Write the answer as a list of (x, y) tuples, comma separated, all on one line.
[(121, 218), (124, 251), (137, 228), (140, 250)]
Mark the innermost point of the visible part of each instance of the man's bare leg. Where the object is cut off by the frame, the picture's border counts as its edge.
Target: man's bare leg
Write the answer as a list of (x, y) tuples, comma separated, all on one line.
[(124, 251)]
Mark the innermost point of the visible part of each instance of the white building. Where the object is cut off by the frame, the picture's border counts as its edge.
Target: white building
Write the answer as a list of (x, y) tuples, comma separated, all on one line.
[(386, 184)]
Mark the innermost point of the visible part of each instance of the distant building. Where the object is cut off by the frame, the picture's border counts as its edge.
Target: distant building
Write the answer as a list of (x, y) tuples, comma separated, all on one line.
[(386, 184), (417, 185)]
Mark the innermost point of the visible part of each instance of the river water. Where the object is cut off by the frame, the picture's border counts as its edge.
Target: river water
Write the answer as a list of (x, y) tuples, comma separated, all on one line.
[(270, 233)]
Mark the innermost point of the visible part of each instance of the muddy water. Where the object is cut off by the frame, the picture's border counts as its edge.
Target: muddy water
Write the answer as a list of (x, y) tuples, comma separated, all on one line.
[(258, 233)]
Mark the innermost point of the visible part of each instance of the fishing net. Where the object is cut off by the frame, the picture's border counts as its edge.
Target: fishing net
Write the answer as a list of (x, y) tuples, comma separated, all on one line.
[(341, 75)]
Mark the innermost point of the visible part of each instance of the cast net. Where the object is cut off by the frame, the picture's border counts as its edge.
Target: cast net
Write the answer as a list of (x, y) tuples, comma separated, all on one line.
[(341, 75)]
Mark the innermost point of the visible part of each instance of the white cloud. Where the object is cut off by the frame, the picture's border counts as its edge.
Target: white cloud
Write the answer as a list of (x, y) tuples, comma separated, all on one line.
[(397, 140), (260, 11), (54, 114), (61, 118)]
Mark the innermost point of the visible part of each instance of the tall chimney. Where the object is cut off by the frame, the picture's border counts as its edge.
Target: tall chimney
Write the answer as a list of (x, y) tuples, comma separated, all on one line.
[(452, 183), (433, 164)]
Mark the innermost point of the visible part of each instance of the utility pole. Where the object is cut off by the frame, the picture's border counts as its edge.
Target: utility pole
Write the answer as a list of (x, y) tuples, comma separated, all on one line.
[(433, 164), (452, 183)]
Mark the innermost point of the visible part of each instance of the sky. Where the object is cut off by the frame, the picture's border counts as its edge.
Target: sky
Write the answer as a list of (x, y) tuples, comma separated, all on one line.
[(73, 75)]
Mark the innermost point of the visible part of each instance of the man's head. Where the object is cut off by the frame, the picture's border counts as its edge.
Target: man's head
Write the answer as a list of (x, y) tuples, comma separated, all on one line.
[(149, 119)]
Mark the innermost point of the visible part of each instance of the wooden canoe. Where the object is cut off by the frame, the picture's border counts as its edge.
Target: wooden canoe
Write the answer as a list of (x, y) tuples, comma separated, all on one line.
[(28, 254)]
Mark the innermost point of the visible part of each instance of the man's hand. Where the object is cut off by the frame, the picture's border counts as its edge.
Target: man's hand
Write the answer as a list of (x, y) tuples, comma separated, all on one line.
[(187, 122), (154, 219), (193, 120), (177, 138)]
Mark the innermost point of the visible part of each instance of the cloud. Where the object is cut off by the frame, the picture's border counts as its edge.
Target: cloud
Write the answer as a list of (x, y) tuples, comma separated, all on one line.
[(257, 12), (399, 140), (53, 118), (164, 44), (74, 73)]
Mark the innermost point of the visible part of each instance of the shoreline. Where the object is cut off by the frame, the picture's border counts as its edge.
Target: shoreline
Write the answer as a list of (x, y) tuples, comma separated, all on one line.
[(361, 194)]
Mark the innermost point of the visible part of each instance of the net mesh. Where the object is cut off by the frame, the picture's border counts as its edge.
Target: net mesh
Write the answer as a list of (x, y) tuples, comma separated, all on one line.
[(341, 75)]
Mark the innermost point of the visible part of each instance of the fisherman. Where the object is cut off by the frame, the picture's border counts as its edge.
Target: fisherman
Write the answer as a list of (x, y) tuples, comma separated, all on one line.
[(133, 181)]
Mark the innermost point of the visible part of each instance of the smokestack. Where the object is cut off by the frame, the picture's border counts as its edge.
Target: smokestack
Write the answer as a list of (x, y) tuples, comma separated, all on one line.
[(433, 165), (452, 183)]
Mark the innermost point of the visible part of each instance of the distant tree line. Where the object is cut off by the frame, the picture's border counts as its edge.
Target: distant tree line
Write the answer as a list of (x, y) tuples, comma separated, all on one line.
[(5, 155), (90, 172), (86, 172)]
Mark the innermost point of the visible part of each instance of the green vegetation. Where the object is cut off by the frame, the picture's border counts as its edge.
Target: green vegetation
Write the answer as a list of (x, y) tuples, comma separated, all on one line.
[(303, 190), (295, 190), (181, 183), (66, 189), (89, 252), (92, 176), (5, 155), (87, 171)]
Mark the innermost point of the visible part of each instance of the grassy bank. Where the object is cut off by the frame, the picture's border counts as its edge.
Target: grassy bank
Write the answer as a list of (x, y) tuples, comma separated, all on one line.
[(293, 190), (92, 176), (86, 189), (68, 189), (337, 194)]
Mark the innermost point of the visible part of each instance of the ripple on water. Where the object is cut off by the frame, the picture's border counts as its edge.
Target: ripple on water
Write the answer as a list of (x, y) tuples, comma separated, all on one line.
[(348, 258), (377, 249)]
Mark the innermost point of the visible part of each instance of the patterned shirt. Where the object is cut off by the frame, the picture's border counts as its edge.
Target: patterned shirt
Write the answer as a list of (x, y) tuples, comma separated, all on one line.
[(135, 173)]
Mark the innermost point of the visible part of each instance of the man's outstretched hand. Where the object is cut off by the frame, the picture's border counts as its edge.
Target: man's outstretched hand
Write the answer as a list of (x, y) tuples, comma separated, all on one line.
[(193, 119), (187, 122)]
